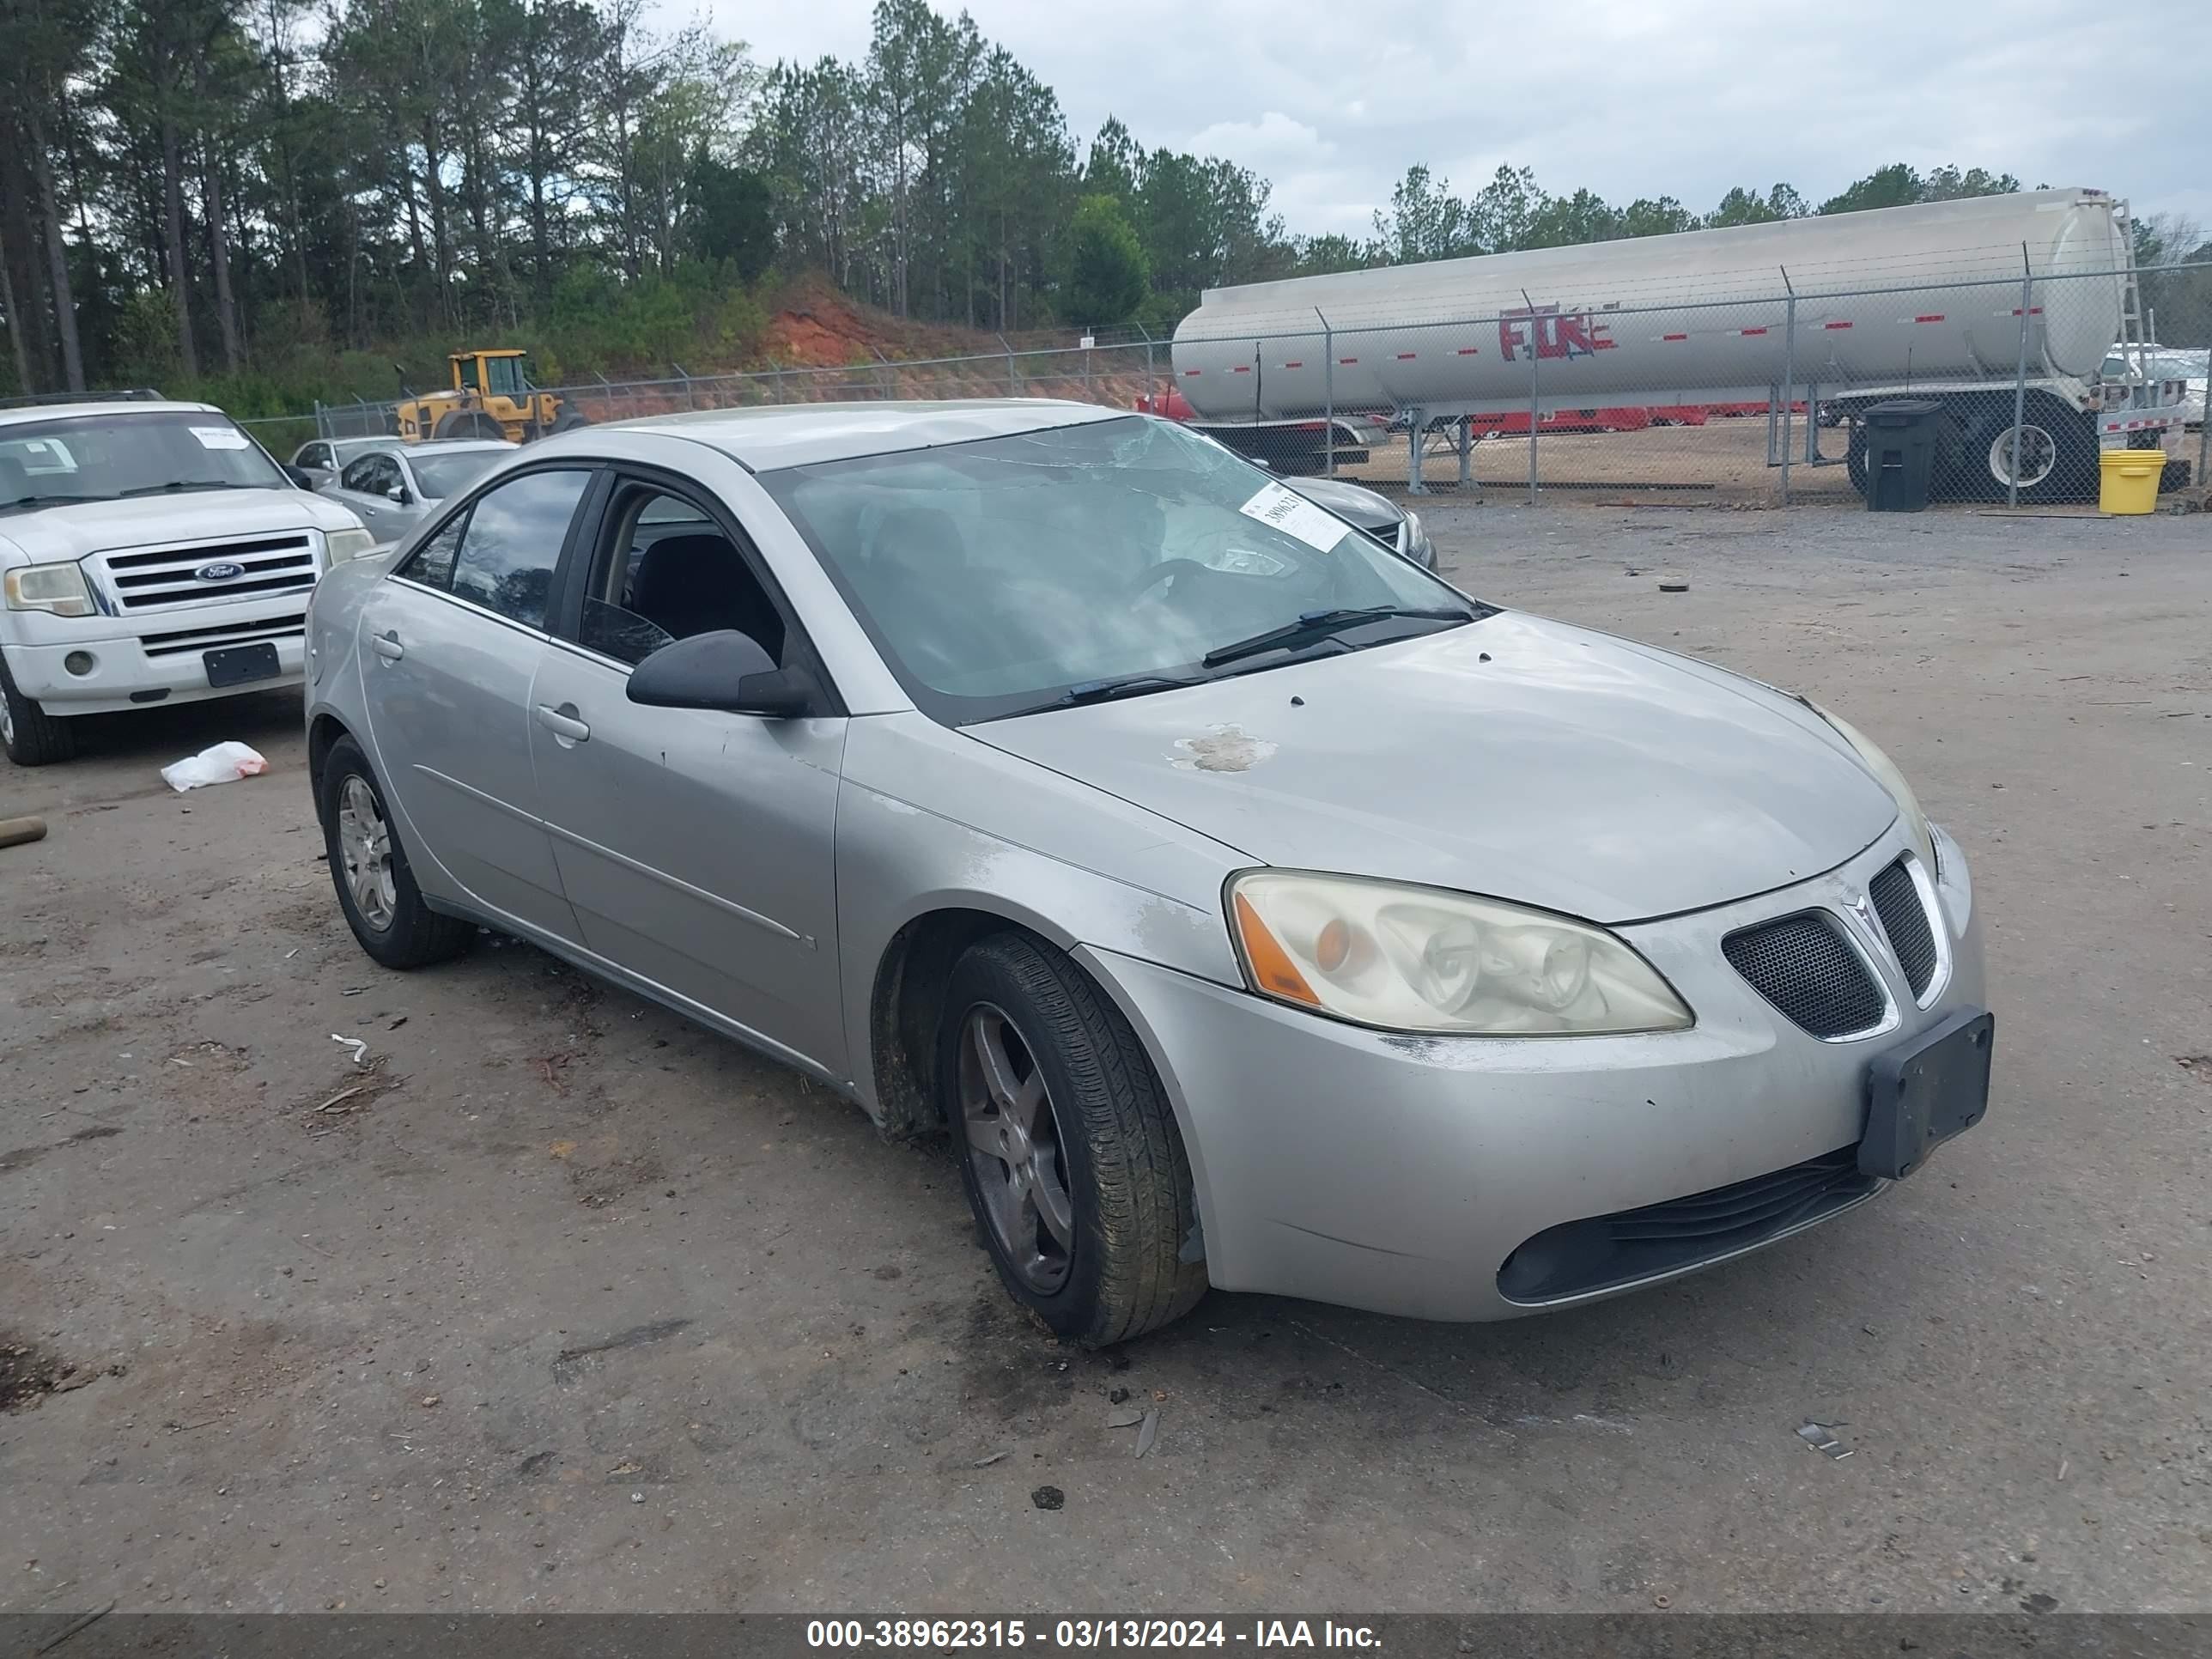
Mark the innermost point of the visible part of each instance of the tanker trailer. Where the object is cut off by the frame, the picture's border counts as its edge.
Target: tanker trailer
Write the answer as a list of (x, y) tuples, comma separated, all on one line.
[(1839, 312)]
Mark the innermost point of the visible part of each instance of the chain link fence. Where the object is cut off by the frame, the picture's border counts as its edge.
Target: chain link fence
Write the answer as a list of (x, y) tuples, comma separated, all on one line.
[(1758, 402)]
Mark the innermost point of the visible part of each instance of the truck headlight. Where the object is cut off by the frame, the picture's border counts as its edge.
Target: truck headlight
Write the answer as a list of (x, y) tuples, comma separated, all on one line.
[(1407, 958), (58, 588), (1886, 775), (344, 544)]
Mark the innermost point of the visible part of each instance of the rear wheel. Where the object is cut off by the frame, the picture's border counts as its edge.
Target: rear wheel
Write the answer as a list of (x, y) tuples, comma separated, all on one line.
[(2052, 452), (566, 421), (368, 867), (1068, 1148), (31, 736)]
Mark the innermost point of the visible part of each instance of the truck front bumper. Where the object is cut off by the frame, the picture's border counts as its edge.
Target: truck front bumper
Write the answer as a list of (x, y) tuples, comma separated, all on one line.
[(163, 666)]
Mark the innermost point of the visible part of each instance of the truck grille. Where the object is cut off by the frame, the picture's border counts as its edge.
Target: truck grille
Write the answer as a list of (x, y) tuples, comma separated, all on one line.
[(179, 641), (1897, 900), (1804, 966), (165, 576), (1635, 1244)]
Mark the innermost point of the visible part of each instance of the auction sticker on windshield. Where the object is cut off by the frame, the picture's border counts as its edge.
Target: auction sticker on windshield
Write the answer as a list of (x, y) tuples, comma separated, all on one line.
[(1293, 514), (220, 437)]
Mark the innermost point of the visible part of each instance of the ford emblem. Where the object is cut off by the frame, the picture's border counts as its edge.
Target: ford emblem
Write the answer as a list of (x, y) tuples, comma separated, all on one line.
[(220, 572)]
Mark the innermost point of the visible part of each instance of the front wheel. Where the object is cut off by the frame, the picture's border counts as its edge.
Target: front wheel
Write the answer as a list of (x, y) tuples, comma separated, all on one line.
[(31, 736), (1068, 1148), (368, 867)]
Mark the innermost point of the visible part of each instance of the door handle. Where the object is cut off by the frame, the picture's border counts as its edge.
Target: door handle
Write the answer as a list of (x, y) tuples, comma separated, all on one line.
[(388, 646), (562, 723)]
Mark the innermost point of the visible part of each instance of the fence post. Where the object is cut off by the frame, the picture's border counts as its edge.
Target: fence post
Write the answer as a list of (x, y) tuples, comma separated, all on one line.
[(1013, 369), (2019, 378), (1328, 395), (1535, 413), (1152, 381), (1466, 451), (691, 398), (1788, 376)]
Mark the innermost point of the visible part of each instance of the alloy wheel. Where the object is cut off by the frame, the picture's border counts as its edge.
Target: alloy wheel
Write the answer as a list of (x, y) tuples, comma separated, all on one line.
[(365, 844), (1013, 1141)]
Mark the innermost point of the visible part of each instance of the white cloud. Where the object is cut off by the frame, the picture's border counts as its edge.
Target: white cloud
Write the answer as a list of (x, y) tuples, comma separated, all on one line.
[(1274, 140)]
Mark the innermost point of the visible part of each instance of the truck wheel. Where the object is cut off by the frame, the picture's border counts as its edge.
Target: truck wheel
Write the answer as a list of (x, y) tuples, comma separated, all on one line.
[(1067, 1146), (2054, 451), (566, 421), (1855, 458), (31, 736), (467, 423)]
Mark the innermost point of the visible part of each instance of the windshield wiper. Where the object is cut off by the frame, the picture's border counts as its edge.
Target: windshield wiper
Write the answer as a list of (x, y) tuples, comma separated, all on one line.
[(175, 484), (41, 501), (1316, 624), (1126, 685)]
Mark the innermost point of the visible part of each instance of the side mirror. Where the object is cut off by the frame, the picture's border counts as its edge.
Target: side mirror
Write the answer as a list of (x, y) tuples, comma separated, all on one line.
[(301, 477), (724, 671), (397, 495)]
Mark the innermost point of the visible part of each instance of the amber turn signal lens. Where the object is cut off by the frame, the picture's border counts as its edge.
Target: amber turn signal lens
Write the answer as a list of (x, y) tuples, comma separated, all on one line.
[(1272, 971)]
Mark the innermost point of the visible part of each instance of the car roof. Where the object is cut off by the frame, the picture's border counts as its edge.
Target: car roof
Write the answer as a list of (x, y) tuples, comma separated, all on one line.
[(799, 435), (62, 411)]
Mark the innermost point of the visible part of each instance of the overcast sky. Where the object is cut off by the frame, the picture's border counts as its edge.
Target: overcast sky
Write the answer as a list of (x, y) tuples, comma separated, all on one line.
[(1332, 100)]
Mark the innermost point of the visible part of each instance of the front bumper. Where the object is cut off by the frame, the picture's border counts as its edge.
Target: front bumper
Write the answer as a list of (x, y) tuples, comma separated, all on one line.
[(1400, 1173), (133, 671)]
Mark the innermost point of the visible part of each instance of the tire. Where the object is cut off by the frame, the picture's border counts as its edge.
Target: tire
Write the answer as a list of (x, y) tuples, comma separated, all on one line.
[(2060, 451), (566, 421), (31, 736), (1099, 1125), (468, 423), (1855, 458), (399, 929)]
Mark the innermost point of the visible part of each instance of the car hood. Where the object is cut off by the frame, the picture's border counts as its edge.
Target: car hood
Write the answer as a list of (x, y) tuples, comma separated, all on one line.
[(1363, 508), (1516, 757), (49, 535)]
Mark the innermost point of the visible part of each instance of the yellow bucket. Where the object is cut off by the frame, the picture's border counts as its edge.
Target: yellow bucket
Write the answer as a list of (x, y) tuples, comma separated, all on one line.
[(2128, 480)]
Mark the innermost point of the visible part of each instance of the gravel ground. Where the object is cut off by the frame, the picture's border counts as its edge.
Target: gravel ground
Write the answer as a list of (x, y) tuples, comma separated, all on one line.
[(559, 1303)]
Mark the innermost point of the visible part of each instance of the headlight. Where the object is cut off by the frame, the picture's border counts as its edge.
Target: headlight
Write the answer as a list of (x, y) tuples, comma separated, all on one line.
[(1886, 775), (345, 544), (58, 588), (1422, 959)]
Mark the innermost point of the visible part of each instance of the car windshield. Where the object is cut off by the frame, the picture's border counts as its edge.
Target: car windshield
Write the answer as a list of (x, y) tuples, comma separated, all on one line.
[(2173, 365), (105, 456), (1007, 575), (442, 476)]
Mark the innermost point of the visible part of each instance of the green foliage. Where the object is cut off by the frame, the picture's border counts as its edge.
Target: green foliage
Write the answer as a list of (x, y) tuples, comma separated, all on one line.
[(271, 201), (1108, 275)]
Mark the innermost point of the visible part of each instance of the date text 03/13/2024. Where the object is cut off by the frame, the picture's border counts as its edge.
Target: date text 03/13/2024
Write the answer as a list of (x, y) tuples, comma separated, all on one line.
[(944, 1634)]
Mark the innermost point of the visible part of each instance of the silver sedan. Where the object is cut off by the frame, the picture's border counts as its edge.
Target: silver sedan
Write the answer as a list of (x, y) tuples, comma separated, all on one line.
[(1249, 907), (394, 486)]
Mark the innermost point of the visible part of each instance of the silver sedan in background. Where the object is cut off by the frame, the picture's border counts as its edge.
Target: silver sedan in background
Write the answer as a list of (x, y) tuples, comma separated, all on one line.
[(1251, 908), (393, 486)]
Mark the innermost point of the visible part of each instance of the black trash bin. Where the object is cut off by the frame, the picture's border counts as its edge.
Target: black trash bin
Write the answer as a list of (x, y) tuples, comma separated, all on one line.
[(1900, 458)]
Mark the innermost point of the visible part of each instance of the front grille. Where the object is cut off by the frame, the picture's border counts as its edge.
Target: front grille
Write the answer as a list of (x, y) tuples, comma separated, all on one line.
[(1897, 900), (1385, 533), (1804, 966), (1612, 1250), (165, 576), (180, 639)]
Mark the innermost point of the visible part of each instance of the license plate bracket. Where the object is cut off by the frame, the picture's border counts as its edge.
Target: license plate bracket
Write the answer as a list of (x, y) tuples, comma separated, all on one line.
[(240, 665), (1923, 1092)]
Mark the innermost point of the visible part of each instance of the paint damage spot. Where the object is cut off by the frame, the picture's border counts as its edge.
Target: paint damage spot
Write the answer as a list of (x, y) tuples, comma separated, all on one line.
[(1221, 749)]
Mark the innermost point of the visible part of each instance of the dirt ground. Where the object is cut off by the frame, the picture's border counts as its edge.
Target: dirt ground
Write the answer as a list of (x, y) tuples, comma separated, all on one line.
[(553, 1301)]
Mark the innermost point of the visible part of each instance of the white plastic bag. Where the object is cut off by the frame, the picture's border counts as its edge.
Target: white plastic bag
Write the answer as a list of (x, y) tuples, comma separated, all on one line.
[(221, 764)]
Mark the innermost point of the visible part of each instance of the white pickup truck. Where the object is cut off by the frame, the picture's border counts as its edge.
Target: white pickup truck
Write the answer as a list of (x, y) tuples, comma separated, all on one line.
[(150, 552)]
